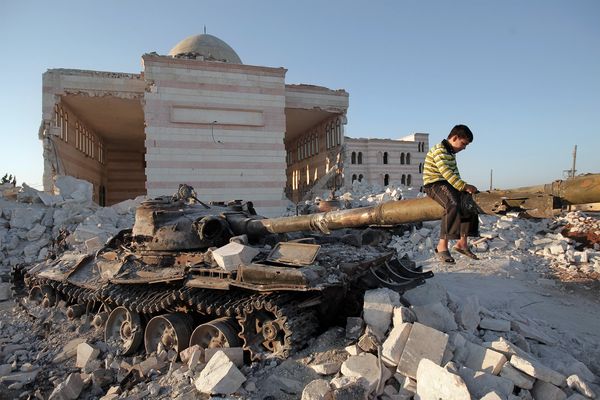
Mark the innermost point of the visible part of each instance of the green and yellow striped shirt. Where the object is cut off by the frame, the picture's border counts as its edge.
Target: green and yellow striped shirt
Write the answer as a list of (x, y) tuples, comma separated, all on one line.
[(440, 165)]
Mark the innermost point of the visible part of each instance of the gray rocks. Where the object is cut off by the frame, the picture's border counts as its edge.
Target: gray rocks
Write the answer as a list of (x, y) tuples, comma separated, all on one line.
[(435, 382), (219, 376)]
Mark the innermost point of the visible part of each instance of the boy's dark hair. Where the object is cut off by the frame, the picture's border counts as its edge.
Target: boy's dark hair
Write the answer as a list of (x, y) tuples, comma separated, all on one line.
[(462, 131)]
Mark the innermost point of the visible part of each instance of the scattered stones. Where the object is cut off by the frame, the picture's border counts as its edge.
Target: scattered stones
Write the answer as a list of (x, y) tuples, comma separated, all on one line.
[(378, 309), (537, 370), (69, 389), (219, 376), (394, 344), (422, 342), (318, 389), (435, 382), (576, 383), (363, 365)]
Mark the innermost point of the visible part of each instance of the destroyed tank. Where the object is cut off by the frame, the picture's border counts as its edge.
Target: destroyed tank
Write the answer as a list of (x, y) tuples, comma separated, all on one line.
[(218, 275)]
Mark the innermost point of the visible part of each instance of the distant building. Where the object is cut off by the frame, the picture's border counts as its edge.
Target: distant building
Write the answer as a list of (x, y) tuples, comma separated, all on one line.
[(386, 161), (197, 116)]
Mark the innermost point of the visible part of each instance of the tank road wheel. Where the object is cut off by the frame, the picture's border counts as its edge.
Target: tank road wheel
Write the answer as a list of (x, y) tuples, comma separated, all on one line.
[(263, 333), (170, 331), (220, 332), (124, 330), (43, 295)]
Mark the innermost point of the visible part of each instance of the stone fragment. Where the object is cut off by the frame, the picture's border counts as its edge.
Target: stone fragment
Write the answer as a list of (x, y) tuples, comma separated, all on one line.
[(196, 358), (350, 388), (25, 217), (150, 363), (422, 342), (5, 291), (185, 354), (219, 376), (435, 315), (235, 354), (378, 308), (427, 294), (547, 391), (481, 383), (318, 389), (85, 354), (520, 379), (354, 327), (394, 344), (353, 349), (435, 382), (363, 365), (492, 324), (505, 347), (576, 383), (327, 368), (232, 255), (368, 341), (21, 377), (492, 396), (532, 332), (35, 232), (70, 389), (538, 370), (102, 377), (278, 384), (69, 350), (70, 187), (403, 315), (480, 358), (467, 314)]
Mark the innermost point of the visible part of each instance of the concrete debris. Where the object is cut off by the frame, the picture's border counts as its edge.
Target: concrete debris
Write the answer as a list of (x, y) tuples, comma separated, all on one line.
[(439, 344), (219, 376), (435, 382)]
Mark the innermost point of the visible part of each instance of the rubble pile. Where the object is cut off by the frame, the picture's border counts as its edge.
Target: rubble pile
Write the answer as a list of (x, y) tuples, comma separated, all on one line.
[(553, 243), (32, 222)]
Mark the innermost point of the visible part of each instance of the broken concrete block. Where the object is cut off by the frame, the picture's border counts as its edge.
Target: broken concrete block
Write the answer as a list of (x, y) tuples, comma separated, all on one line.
[(520, 379), (278, 384), (353, 349), (364, 365), (318, 389), (423, 342), (427, 294), (20, 377), (505, 347), (232, 255), (70, 389), (354, 327), (35, 232), (481, 383), (394, 344), (327, 368), (69, 350), (235, 354), (435, 315), (403, 315), (378, 308), (578, 384), (350, 388), (196, 358), (538, 370), (547, 391), (185, 354), (368, 341), (435, 382), (492, 324), (492, 396), (149, 364), (531, 332), (479, 358), (467, 314), (5, 291), (219, 376), (85, 354), (70, 187)]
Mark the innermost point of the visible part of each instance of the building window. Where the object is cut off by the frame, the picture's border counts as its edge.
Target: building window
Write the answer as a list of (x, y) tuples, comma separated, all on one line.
[(338, 132), (402, 158), (408, 180), (360, 157), (408, 158), (386, 180), (353, 158), (403, 181), (353, 177), (385, 157), (360, 177), (420, 168)]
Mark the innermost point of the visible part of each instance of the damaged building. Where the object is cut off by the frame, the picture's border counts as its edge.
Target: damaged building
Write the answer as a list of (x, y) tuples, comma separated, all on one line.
[(198, 116)]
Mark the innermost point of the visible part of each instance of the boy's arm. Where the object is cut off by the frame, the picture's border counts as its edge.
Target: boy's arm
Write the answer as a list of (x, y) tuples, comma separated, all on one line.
[(440, 159)]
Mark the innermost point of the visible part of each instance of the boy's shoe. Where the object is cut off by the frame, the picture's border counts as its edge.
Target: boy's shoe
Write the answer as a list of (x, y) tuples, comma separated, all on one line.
[(466, 252), (444, 256)]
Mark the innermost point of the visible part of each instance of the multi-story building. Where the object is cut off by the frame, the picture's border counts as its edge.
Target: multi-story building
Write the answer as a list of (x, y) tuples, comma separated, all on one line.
[(386, 161)]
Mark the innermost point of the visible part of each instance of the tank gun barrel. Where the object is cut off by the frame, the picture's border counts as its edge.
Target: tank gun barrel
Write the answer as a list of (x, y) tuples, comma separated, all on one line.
[(541, 201)]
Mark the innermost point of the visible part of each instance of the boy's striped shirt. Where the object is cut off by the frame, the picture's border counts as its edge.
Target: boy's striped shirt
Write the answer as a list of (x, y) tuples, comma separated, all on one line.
[(440, 165)]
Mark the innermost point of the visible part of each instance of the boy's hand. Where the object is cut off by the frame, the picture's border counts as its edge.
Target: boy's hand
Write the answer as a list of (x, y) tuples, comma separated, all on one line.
[(470, 189)]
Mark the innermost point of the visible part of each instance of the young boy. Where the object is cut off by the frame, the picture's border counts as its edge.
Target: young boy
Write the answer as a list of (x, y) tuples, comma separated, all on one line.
[(443, 184)]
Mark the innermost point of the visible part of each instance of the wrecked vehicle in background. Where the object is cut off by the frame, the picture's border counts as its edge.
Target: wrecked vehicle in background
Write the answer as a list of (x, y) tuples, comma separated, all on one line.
[(218, 275)]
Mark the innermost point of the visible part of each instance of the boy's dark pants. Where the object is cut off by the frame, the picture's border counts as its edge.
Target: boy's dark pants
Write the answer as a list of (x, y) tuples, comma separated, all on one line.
[(455, 222)]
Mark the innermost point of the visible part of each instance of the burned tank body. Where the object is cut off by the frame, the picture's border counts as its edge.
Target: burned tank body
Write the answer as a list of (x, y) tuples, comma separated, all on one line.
[(218, 275)]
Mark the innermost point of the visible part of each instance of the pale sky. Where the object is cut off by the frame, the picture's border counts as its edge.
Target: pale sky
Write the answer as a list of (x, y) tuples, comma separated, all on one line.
[(523, 75)]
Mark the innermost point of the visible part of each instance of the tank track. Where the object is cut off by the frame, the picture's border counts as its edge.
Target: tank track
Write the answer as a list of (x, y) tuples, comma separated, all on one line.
[(293, 326)]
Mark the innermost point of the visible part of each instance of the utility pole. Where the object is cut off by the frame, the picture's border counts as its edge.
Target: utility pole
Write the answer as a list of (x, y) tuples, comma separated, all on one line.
[(491, 178), (574, 158)]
